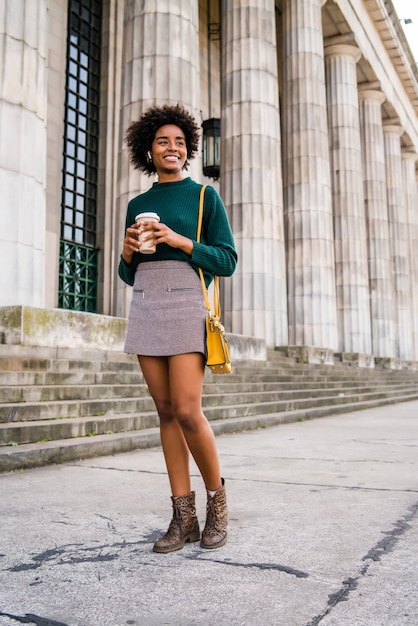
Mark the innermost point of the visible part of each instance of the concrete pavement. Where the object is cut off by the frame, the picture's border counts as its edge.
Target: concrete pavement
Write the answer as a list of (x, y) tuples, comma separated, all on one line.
[(323, 531)]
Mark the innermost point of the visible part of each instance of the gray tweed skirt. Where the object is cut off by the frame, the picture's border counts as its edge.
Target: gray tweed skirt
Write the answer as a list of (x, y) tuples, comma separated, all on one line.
[(167, 314)]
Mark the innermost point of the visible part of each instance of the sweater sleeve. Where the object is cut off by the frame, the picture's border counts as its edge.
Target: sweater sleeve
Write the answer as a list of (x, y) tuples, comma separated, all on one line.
[(125, 271), (215, 253)]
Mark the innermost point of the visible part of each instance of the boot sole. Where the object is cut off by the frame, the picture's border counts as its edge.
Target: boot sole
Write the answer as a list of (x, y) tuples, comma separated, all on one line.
[(191, 539), (214, 546)]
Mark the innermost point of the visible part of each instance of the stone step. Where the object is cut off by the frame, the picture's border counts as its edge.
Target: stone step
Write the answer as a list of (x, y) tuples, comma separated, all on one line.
[(42, 358), (32, 455), (25, 378), (16, 363), (72, 373), (74, 427), (27, 358), (52, 393), (17, 394), (102, 400), (60, 404), (75, 373), (56, 353), (245, 369), (322, 371), (144, 415)]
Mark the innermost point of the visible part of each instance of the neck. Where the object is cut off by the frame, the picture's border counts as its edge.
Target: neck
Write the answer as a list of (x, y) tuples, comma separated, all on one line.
[(166, 177)]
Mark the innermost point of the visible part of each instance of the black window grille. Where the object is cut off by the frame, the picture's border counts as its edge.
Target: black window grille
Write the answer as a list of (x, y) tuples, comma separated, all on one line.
[(78, 275), (80, 157)]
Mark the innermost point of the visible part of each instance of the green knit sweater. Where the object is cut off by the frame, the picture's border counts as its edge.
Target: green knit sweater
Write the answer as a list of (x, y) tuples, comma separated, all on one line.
[(177, 204)]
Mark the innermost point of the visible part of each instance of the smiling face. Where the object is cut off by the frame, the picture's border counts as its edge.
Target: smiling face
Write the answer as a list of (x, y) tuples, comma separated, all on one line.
[(169, 152)]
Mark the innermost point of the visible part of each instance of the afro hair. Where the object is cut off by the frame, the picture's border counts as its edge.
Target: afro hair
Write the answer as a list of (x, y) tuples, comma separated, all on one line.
[(140, 134)]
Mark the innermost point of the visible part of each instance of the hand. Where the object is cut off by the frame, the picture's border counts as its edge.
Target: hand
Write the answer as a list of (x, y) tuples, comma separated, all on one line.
[(130, 243), (161, 233)]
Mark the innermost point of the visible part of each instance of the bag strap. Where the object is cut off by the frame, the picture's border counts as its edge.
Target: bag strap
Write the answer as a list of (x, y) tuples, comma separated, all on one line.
[(200, 220), (217, 306)]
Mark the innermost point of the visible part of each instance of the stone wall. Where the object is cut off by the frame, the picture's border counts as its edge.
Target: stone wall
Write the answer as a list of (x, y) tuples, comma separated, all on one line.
[(58, 328)]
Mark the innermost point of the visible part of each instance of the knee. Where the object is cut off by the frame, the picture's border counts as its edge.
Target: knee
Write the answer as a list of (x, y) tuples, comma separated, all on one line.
[(165, 411), (188, 419)]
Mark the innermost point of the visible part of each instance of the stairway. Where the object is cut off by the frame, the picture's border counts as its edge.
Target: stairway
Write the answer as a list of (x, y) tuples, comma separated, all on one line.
[(58, 405)]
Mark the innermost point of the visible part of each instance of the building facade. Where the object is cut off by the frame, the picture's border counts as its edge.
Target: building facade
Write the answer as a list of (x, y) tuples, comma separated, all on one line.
[(317, 102)]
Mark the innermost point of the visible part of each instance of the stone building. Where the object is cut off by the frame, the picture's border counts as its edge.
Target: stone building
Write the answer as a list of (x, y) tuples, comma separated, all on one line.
[(317, 102)]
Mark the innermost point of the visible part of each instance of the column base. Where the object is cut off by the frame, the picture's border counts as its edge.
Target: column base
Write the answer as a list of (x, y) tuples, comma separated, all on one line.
[(389, 363), (409, 365), (357, 359), (309, 354)]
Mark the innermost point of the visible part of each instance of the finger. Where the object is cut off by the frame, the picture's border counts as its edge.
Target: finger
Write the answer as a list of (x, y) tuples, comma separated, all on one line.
[(153, 225)]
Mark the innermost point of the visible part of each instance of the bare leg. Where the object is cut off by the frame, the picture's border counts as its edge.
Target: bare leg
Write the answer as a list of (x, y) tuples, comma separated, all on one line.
[(186, 373), (175, 383), (176, 452)]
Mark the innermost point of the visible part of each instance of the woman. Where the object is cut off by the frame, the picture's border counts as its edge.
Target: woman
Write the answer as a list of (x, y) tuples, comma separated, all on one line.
[(166, 327)]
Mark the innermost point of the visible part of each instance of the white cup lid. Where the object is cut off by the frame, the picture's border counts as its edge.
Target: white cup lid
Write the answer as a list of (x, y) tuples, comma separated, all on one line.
[(149, 215)]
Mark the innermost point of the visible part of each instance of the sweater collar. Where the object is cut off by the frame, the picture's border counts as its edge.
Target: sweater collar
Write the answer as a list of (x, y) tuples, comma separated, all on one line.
[(185, 182)]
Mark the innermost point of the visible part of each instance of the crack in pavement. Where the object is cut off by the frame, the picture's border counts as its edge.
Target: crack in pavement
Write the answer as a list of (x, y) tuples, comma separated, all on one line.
[(264, 481), (72, 554), (309, 458), (384, 442), (261, 566), (384, 546), (325, 485), (31, 618)]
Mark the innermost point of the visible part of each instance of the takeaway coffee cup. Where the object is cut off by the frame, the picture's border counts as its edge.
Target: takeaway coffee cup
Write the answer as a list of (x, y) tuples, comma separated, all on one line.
[(146, 247)]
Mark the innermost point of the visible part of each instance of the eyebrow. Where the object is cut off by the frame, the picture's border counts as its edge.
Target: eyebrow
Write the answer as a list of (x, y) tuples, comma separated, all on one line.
[(166, 137)]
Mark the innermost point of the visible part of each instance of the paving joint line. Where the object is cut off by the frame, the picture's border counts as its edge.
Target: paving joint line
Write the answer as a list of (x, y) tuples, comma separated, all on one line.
[(375, 554)]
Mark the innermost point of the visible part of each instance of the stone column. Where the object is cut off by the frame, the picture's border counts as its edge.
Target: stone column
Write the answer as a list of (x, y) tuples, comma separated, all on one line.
[(409, 158), (352, 282), (308, 209), (23, 156), (251, 180), (160, 66), (376, 206), (399, 240)]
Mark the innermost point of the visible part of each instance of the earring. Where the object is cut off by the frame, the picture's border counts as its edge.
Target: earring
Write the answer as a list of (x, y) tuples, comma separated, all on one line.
[(149, 157)]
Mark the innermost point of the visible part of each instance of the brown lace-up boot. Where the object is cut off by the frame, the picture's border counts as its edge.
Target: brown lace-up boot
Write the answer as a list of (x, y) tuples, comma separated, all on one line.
[(215, 531), (183, 527)]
